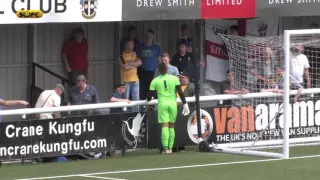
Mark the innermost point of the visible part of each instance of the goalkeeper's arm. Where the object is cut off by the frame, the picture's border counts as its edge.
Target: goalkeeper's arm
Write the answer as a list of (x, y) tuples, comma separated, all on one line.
[(181, 94)]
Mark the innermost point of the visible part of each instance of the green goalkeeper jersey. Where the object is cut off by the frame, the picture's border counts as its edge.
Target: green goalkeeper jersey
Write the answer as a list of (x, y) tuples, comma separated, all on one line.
[(165, 86)]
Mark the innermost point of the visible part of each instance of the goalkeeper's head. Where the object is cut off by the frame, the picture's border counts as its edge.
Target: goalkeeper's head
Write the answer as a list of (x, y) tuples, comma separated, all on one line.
[(163, 68)]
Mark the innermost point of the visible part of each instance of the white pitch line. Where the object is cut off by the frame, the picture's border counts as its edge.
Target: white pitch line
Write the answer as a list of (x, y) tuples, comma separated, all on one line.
[(169, 168), (99, 177)]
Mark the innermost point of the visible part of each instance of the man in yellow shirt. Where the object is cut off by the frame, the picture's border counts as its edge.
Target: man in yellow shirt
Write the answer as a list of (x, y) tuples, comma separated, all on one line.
[(129, 62)]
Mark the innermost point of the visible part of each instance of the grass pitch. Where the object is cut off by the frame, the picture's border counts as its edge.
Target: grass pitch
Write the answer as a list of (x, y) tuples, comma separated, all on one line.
[(190, 165)]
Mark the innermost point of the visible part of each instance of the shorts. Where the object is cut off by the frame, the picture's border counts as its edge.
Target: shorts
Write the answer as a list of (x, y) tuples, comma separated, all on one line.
[(296, 86), (167, 112)]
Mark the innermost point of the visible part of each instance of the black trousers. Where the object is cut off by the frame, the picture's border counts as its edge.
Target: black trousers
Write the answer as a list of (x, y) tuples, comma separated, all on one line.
[(145, 78)]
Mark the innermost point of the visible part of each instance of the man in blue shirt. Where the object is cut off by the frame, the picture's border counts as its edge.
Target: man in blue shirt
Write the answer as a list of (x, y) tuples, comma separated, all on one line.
[(149, 53), (172, 70), (83, 93)]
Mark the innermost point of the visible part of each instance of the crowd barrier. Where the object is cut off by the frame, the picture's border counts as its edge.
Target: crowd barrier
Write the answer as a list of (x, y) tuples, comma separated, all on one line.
[(220, 124)]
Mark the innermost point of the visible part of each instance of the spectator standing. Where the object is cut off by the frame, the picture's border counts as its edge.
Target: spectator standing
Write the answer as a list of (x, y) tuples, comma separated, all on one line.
[(172, 70), (150, 54), (11, 103), (234, 30), (184, 60), (83, 93), (119, 95), (75, 55), (48, 99), (132, 35), (299, 66), (227, 87), (186, 35), (129, 62)]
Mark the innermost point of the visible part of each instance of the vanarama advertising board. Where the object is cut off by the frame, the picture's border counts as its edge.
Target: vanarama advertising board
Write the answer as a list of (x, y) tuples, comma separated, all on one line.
[(261, 122)]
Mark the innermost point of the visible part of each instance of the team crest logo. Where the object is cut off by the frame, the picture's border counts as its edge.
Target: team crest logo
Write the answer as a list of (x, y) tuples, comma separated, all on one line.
[(206, 126), (89, 8), (134, 129)]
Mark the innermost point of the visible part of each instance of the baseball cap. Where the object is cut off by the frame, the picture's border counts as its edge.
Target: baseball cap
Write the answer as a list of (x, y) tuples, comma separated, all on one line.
[(183, 74), (60, 86)]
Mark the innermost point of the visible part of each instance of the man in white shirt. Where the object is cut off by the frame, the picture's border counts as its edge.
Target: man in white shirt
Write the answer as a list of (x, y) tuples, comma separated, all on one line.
[(299, 66), (50, 98)]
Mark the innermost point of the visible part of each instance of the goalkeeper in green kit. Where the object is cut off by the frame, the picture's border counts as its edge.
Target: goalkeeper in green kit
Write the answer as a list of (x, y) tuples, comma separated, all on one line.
[(166, 86)]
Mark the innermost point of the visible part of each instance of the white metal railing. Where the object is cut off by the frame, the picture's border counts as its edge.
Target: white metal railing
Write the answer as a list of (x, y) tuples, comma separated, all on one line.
[(26, 111)]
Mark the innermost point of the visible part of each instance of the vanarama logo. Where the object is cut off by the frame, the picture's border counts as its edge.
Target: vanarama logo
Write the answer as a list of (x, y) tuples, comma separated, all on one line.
[(265, 121), (29, 14)]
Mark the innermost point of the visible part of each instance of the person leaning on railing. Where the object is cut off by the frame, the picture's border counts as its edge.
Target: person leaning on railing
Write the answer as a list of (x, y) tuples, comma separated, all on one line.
[(12, 103), (48, 99), (119, 96)]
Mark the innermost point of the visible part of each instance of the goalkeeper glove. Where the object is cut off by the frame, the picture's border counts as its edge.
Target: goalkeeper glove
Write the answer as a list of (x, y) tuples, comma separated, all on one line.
[(185, 110)]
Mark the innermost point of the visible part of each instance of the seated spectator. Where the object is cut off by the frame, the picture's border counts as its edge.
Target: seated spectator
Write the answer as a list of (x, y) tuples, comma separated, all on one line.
[(165, 58), (187, 87), (129, 62), (226, 87), (119, 96), (269, 85), (48, 99), (184, 60), (83, 93)]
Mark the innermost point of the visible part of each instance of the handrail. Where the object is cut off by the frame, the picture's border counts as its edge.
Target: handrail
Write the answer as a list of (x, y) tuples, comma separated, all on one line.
[(52, 73), (144, 102)]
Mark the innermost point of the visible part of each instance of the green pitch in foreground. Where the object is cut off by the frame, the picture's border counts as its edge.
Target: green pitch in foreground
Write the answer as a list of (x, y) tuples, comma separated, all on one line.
[(148, 164)]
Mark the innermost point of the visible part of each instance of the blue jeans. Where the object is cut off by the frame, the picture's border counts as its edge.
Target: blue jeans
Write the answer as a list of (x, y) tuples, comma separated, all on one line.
[(133, 89)]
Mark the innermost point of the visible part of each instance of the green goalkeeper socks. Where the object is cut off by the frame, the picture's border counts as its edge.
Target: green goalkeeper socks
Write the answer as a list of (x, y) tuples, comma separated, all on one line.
[(165, 137), (171, 137)]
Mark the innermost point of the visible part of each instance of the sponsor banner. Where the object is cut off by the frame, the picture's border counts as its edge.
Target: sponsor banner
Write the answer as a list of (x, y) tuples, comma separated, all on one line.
[(243, 124), (214, 9), (287, 8), (58, 137), (55, 11), (135, 10), (217, 56)]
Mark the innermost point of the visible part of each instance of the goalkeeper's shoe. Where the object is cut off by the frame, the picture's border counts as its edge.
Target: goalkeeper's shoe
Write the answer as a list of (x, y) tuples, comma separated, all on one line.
[(166, 152)]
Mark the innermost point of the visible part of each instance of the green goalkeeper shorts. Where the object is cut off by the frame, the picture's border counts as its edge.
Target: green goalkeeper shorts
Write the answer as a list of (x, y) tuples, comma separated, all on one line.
[(167, 112)]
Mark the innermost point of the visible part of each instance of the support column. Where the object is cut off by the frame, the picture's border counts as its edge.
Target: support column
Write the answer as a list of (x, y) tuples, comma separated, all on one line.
[(32, 57), (118, 31)]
